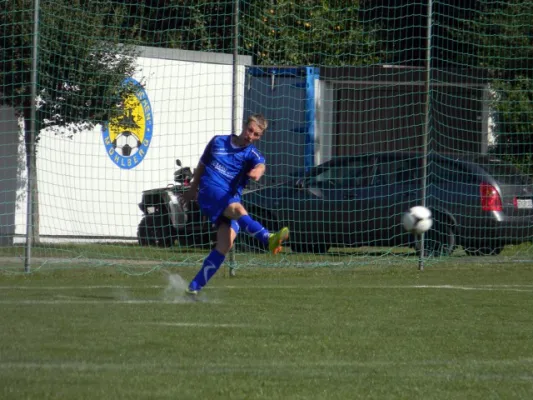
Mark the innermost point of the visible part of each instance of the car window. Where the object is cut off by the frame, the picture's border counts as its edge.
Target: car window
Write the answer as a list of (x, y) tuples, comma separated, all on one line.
[(403, 171), (445, 172), (357, 173), (358, 176)]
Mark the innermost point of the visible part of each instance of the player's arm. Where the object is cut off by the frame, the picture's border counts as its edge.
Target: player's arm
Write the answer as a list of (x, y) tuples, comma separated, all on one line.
[(192, 193), (198, 172), (257, 172)]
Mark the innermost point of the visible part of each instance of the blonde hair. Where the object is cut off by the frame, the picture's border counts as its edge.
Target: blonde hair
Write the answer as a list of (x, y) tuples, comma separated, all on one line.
[(259, 119)]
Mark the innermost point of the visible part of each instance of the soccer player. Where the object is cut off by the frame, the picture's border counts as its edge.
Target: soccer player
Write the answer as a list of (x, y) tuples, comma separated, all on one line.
[(226, 166)]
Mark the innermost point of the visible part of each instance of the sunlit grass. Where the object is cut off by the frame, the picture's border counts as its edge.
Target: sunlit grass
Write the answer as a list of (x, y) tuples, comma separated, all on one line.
[(454, 330)]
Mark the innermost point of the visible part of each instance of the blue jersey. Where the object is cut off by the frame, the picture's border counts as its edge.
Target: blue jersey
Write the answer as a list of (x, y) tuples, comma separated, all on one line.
[(227, 165)]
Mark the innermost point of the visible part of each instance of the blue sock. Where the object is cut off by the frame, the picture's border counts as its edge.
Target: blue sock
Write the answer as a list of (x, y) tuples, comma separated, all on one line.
[(254, 229), (211, 265)]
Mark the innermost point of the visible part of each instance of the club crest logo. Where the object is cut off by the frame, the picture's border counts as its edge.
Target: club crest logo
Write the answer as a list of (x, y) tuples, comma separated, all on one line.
[(128, 136)]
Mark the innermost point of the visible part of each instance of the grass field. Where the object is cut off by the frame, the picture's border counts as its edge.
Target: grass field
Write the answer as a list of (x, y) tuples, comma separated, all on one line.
[(457, 330)]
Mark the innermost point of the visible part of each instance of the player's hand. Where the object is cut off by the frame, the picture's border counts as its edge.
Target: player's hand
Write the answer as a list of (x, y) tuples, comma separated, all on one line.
[(257, 172), (254, 175), (191, 194)]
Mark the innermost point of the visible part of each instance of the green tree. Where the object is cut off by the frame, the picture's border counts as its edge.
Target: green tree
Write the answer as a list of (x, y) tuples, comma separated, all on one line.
[(308, 32), (81, 63), (401, 27), (202, 25), (274, 32)]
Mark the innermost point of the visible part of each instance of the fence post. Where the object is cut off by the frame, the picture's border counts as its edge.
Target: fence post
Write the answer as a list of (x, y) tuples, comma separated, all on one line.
[(31, 148), (235, 102), (427, 122)]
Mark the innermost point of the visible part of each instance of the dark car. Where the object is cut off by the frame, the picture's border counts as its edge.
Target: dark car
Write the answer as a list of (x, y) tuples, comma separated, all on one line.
[(477, 202)]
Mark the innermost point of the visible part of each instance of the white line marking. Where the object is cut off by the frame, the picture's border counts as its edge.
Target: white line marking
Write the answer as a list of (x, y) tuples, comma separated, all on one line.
[(179, 299), (63, 299), (15, 287), (103, 301)]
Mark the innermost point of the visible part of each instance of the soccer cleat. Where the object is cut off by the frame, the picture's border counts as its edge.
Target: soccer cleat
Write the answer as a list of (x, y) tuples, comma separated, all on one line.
[(276, 239), (191, 293)]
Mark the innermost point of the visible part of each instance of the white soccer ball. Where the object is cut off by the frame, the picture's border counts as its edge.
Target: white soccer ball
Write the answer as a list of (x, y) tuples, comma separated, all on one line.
[(417, 220), (126, 144)]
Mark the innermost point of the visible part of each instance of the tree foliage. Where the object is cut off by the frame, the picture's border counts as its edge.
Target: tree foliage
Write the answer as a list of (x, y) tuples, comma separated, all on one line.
[(273, 32), (80, 73), (81, 64), (308, 32), (202, 25), (401, 28)]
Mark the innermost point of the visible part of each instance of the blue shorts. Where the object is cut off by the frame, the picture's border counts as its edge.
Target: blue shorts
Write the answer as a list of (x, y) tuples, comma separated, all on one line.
[(213, 201)]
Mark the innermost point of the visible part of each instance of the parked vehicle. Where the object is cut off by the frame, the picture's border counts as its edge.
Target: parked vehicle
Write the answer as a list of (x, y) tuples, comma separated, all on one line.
[(169, 218), (477, 202)]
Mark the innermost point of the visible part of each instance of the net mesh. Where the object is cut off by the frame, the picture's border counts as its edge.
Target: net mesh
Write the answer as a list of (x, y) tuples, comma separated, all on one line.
[(411, 103)]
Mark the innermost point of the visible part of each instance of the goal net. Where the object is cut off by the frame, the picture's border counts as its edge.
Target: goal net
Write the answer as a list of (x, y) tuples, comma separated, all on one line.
[(107, 106)]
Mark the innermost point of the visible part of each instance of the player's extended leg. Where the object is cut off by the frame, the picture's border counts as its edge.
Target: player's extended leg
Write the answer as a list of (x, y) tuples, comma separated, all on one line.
[(253, 228), (226, 234)]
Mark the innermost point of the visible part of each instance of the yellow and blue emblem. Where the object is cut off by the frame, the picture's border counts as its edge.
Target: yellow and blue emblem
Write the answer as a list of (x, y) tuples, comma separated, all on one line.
[(128, 136)]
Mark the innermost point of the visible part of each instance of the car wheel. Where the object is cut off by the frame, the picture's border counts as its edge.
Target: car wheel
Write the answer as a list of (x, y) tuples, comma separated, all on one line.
[(201, 235), (439, 240), (483, 251), (153, 231), (146, 235), (164, 235)]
